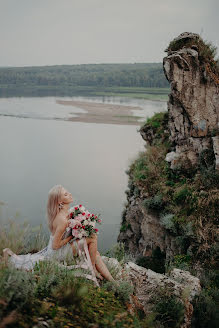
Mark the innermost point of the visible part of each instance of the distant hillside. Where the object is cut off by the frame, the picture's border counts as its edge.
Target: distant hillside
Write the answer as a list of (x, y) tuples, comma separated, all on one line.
[(79, 79)]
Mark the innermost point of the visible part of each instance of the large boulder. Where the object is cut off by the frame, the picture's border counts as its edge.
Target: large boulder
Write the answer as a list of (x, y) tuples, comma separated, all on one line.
[(149, 285)]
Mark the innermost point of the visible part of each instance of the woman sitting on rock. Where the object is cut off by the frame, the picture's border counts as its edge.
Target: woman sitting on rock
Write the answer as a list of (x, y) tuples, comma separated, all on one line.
[(60, 249)]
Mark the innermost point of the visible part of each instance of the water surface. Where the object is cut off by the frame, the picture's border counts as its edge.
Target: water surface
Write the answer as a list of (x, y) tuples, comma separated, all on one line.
[(40, 148)]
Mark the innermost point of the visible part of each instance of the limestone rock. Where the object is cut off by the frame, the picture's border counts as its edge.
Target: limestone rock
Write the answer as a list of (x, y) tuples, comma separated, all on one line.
[(192, 130), (216, 151), (185, 278), (193, 105), (148, 285), (149, 233)]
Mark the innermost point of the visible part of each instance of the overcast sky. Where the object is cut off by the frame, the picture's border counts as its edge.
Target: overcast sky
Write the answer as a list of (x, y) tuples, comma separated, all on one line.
[(54, 32)]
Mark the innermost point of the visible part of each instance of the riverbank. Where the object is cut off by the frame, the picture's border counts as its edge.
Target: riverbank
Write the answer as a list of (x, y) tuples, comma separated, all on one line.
[(11, 90), (102, 112)]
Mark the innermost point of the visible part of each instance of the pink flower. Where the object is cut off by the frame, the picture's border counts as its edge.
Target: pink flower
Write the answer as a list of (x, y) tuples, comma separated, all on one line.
[(75, 233), (96, 229), (74, 223), (79, 218)]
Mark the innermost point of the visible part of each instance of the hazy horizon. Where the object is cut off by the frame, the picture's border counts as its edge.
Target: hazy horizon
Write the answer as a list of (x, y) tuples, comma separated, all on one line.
[(75, 32), (80, 64)]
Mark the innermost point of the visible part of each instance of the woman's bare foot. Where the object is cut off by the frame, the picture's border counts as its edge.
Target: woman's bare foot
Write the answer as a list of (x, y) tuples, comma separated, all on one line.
[(6, 253)]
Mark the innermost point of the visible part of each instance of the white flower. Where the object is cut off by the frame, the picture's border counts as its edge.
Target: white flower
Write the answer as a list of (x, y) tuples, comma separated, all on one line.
[(71, 209), (85, 222), (82, 209), (80, 235)]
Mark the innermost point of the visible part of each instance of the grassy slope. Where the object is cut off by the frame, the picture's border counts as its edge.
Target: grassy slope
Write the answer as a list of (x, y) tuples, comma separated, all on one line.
[(54, 295)]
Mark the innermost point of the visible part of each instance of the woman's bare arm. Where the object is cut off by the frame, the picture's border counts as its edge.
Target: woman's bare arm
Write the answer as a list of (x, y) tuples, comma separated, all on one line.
[(57, 240)]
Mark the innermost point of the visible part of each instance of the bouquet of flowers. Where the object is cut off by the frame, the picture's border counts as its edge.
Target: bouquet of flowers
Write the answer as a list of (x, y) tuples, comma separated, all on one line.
[(81, 223)]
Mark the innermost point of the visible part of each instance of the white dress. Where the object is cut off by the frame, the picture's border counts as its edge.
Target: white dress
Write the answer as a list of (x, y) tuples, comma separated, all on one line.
[(28, 261)]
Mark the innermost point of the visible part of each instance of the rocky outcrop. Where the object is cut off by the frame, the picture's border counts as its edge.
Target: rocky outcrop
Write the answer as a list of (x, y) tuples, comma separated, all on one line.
[(149, 286), (190, 127), (144, 232), (193, 104)]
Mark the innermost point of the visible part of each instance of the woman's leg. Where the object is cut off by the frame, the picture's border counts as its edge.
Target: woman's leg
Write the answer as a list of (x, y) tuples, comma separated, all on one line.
[(92, 247), (74, 250), (102, 268), (99, 264)]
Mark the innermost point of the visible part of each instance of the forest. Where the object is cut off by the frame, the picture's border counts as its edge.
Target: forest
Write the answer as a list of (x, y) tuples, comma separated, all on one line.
[(85, 79)]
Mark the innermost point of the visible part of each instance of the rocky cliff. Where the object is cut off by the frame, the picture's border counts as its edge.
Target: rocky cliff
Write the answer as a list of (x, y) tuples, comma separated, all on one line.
[(193, 105), (172, 202)]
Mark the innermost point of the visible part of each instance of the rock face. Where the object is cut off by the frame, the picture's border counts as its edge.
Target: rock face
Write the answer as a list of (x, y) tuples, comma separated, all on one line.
[(145, 232), (191, 126), (193, 104), (149, 284)]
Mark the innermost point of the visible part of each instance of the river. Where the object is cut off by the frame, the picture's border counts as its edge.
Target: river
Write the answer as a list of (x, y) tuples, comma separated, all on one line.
[(40, 147)]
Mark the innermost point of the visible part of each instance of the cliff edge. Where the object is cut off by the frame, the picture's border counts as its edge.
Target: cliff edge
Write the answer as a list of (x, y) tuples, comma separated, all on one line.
[(172, 210)]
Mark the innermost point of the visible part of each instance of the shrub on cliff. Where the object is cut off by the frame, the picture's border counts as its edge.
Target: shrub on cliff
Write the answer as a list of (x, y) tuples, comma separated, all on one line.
[(191, 199), (155, 129), (168, 309), (155, 262), (154, 203), (206, 312)]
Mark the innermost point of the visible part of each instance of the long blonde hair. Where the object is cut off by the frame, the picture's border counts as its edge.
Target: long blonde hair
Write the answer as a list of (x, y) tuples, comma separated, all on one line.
[(53, 204)]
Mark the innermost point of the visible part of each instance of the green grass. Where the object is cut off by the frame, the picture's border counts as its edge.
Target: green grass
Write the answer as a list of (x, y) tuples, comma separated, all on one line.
[(54, 294), (60, 299), (21, 237)]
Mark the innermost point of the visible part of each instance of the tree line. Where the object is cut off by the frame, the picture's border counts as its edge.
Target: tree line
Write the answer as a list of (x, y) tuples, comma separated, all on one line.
[(148, 75)]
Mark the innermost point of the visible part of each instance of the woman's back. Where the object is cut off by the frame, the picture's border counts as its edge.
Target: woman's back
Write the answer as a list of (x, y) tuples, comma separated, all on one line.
[(60, 222), (58, 228)]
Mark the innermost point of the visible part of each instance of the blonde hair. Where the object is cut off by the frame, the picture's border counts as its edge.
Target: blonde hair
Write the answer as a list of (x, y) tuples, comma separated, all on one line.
[(53, 204)]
